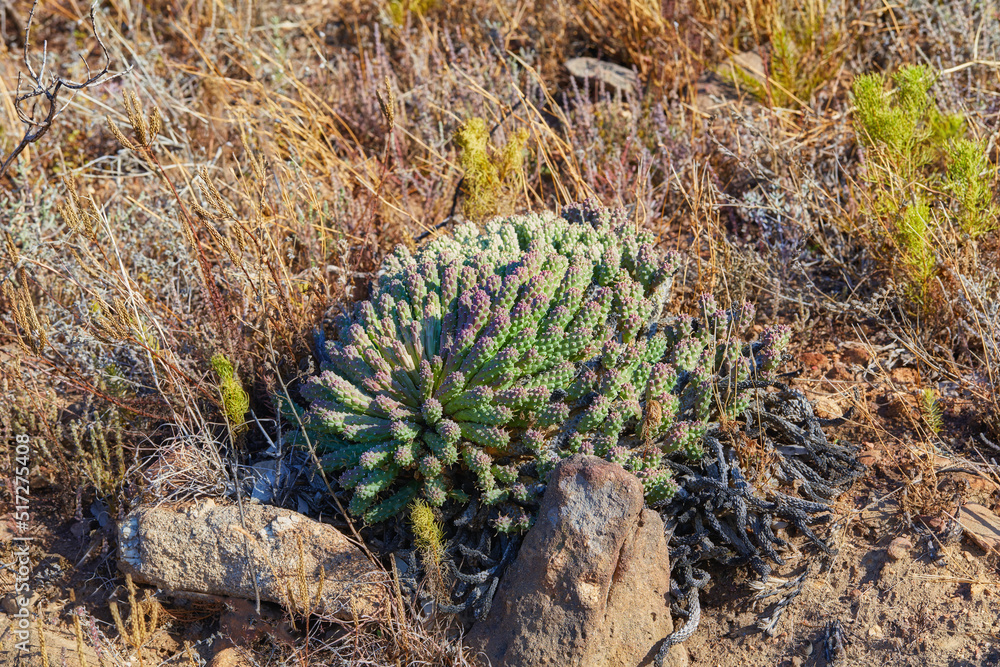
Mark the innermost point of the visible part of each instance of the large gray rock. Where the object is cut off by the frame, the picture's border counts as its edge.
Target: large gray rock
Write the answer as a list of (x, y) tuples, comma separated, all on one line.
[(590, 585), (210, 549)]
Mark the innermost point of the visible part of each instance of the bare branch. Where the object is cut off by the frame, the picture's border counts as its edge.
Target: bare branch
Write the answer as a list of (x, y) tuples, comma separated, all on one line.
[(45, 90)]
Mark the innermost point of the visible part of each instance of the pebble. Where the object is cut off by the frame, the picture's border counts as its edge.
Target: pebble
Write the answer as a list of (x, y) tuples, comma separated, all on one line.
[(899, 548)]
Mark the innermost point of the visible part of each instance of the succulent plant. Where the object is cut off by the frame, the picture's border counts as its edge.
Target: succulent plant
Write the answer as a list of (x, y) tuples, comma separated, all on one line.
[(481, 360)]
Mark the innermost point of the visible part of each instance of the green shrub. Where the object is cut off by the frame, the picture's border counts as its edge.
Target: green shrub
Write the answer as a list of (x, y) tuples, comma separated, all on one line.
[(805, 51), (930, 188)]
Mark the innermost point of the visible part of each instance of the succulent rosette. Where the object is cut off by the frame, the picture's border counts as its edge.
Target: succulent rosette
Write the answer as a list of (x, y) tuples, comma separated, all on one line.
[(485, 357)]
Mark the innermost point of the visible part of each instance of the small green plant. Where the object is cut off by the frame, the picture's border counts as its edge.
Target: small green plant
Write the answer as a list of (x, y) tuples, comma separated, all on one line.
[(804, 52), (489, 356), (235, 402), (930, 188), (398, 10), (930, 409), (969, 180), (493, 176), (428, 536)]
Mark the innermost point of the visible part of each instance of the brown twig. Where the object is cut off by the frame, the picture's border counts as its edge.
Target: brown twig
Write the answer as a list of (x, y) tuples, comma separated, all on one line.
[(48, 92)]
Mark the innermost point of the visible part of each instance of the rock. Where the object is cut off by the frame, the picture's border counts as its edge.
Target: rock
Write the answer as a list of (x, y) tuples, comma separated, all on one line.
[(856, 353), (978, 487), (826, 407), (60, 645), (613, 75), (210, 549), (899, 548), (840, 372), (908, 377), (11, 603), (981, 525), (229, 657), (743, 68), (870, 457), (816, 360), (590, 585)]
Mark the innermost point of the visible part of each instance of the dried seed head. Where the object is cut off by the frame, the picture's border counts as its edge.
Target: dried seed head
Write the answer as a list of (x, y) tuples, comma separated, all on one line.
[(212, 194), (12, 253), (257, 165), (120, 136), (133, 109), (23, 312), (387, 104), (73, 212), (155, 123), (145, 128), (203, 212)]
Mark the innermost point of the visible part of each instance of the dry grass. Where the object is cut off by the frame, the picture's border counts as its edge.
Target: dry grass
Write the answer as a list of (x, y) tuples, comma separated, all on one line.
[(240, 184)]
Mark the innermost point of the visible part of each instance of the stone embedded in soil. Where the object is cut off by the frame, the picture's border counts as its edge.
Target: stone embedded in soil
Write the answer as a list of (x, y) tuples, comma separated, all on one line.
[(211, 549), (856, 353), (230, 657), (899, 548), (817, 360), (981, 525), (590, 585), (60, 645), (825, 406)]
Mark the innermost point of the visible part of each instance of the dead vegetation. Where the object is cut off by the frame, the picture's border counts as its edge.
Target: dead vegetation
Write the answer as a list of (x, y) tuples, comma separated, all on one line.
[(177, 238)]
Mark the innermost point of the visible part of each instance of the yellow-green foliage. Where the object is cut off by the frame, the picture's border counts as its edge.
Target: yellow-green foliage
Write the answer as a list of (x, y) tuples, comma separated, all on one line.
[(804, 53), (235, 401), (930, 408), (104, 462), (493, 176), (969, 179), (426, 530), (930, 188), (399, 9), (429, 538)]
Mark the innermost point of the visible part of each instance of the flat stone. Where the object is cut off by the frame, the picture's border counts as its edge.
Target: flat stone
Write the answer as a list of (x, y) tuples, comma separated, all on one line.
[(590, 585), (825, 406), (856, 353), (613, 75), (981, 525), (210, 549)]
